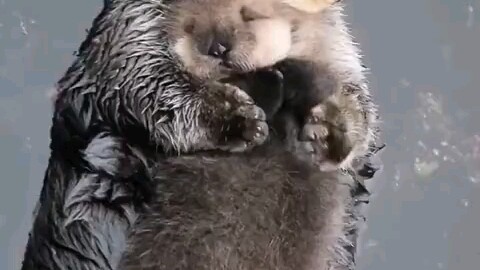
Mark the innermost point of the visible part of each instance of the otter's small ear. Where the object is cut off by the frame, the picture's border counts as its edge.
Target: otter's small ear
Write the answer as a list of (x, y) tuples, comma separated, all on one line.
[(249, 14), (310, 6)]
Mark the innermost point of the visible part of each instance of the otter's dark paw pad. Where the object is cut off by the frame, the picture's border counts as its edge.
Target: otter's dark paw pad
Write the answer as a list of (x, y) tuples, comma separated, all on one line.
[(327, 138), (245, 125)]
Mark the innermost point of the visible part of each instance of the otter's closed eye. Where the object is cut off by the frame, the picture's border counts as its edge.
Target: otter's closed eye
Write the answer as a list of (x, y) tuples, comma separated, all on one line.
[(249, 14)]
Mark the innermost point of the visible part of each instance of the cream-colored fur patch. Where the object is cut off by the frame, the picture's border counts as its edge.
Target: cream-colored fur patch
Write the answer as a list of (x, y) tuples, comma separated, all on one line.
[(274, 40), (309, 6)]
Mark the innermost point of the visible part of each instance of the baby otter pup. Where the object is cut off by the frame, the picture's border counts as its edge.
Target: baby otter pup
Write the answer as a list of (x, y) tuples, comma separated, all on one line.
[(218, 37)]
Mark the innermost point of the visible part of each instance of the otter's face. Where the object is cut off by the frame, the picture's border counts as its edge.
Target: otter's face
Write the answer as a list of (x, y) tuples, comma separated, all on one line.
[(215, 38)]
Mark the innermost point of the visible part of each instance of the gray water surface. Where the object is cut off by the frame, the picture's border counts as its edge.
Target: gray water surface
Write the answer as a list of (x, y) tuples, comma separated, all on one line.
[(425, 65)]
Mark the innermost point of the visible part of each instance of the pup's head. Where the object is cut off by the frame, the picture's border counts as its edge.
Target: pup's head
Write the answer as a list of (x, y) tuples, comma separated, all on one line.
[(214, 38)]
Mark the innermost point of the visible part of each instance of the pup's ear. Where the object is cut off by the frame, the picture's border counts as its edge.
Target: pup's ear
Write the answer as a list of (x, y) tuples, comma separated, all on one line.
[(310, 6)]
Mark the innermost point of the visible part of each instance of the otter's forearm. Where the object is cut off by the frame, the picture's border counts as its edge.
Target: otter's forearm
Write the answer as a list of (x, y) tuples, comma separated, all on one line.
[(160, 101)]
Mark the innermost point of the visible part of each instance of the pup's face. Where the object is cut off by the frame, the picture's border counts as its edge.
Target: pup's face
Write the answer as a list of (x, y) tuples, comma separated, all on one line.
[(215, 38)]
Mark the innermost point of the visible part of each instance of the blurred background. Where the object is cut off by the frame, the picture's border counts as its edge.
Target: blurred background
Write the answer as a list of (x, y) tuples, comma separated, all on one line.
[(425, 65)]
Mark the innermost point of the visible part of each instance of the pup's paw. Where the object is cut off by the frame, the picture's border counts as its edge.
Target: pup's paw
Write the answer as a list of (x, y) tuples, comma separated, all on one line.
[(326, 131)]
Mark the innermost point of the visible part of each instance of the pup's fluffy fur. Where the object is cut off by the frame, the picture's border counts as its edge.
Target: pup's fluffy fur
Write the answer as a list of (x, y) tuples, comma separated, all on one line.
[(127, 89)]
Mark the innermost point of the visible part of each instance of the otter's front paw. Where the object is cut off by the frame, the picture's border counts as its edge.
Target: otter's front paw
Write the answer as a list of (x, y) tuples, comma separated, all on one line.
[(243, 124), (326, 132)]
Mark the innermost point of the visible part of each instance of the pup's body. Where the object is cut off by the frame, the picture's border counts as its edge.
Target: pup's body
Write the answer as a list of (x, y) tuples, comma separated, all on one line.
[(339, 107)]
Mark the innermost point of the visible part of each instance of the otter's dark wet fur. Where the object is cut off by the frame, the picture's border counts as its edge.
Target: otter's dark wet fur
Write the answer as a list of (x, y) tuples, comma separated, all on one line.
[(107, 102)]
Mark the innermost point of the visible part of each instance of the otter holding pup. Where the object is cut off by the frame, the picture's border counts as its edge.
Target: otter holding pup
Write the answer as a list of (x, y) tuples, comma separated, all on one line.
[(127, 91)]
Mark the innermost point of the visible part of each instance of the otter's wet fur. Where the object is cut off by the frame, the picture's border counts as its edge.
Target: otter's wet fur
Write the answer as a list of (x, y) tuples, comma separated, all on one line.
[(123, 89)]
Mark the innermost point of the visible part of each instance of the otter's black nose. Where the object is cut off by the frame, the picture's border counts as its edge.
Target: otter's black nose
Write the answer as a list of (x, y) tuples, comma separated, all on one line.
[(218, 49)]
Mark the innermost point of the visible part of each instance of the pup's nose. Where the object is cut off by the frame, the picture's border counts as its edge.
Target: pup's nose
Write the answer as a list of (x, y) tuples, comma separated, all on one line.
[(218, 49)]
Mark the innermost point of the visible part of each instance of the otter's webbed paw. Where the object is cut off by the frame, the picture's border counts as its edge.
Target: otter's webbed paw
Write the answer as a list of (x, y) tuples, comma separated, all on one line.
[(326, 132), (241, 124)]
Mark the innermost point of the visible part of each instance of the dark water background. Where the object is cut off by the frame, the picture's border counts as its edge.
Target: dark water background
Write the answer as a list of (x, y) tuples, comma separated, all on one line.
[(425, 64)]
